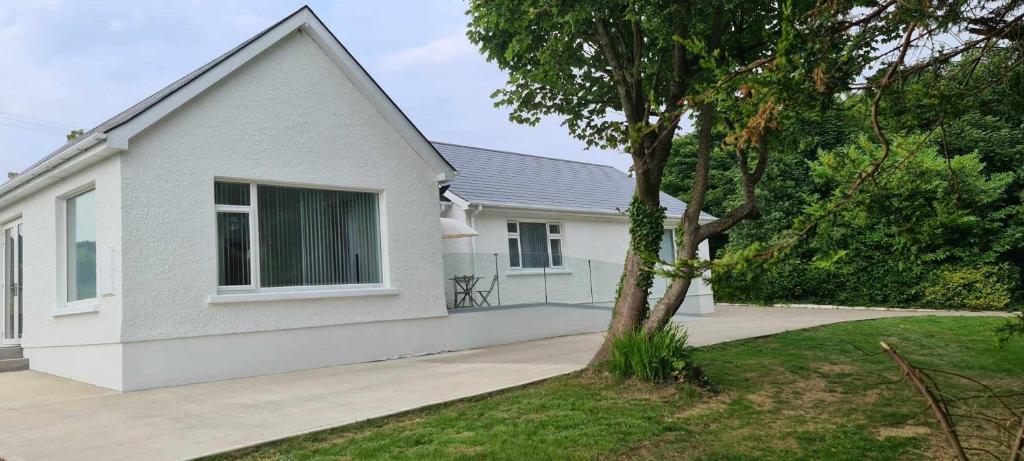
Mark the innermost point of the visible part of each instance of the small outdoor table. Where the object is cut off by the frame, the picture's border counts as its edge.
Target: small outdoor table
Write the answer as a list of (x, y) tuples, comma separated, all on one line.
[(463, 287)]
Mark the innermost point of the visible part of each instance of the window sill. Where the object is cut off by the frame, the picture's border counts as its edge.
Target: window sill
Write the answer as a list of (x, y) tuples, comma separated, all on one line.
[(228, 298), (515, 273), (76, 308)]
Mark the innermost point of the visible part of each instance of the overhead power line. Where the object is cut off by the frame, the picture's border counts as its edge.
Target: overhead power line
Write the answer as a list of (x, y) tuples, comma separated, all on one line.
[(35, 121), (32, 128), (23, 122)]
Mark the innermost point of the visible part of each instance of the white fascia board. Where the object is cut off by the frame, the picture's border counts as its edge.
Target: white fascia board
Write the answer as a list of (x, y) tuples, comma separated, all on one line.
[(510, 207), (461, 202), (518, 208), (56, 168)]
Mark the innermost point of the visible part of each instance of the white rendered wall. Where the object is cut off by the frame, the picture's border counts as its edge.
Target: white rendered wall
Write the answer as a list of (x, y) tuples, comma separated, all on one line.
[(473, 328), (170, 362), (49, 331), (593, 248), (289, 116), (96, 364)]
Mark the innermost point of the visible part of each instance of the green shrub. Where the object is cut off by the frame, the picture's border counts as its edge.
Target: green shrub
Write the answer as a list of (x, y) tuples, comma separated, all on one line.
[(664, 356), (980, 288)]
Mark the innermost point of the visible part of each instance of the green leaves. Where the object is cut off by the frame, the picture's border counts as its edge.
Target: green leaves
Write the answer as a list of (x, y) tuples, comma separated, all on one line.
[(660, 357), (645, 229)]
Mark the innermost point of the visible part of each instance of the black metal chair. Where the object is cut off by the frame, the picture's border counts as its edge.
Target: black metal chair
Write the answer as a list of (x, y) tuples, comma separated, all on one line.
[(484, 294), (463, 288)]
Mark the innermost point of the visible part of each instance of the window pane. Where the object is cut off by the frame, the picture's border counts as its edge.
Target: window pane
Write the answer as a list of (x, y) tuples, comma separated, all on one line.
[(534, 241), (513, 252), (555, 229), (513, 228), (233, 249), (231, 193), (556, 252), (81, 232), (667, 252), (317, 237)]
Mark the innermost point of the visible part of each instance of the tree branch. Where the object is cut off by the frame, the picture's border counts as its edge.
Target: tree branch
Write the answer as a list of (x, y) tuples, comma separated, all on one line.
[(948, 429), (749, 206), (620, 76)]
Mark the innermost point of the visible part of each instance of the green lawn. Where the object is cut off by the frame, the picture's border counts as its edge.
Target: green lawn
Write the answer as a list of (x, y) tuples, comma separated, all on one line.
[(811, 394)]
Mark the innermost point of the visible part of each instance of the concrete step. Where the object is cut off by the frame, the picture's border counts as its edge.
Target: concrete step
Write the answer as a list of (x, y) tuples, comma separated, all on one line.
[(13, 365), (10, 352)]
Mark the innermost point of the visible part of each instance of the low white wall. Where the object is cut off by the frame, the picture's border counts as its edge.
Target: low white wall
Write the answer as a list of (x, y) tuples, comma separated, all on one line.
[(698, 304), (472, 328), (96, 364), (171, 362), (160, 363)]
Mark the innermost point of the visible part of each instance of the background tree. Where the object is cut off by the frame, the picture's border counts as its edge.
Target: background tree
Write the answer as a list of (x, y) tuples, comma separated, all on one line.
[(623, 73), (939, 229)]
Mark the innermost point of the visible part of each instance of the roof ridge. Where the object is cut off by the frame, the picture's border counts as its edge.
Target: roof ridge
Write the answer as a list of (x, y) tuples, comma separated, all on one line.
[(527, 155)]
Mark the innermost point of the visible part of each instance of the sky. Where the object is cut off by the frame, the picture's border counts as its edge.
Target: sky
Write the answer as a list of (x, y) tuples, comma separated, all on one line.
[(73, 64)]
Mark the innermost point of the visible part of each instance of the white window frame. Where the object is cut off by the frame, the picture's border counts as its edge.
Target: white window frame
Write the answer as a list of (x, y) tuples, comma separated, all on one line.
[(549, 236), (254, 247), (254, 256), (519, 245), (561, 247)]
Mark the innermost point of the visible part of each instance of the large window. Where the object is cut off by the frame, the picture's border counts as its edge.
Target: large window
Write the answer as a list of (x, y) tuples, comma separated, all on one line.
[(273, 236), (81, 246), (534, 245)]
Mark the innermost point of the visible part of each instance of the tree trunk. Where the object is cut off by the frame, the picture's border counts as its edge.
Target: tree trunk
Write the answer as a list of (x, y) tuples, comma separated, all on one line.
[(675, 294), (631, 306), (687, 251)]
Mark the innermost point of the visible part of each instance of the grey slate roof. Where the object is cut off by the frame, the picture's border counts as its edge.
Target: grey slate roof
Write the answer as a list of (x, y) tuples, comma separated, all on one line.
[(490, 176)]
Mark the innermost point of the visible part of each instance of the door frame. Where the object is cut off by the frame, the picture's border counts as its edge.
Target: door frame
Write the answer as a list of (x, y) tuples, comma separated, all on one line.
[(14, 225)]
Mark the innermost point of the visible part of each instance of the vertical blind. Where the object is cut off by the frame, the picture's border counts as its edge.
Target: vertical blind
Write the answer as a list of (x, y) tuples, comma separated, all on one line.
[(313, 237), (305, 237), (233, 249), (533, 238)]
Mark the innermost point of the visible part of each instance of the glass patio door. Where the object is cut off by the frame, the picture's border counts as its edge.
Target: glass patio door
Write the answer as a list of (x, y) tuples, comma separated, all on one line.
[(12, 282)]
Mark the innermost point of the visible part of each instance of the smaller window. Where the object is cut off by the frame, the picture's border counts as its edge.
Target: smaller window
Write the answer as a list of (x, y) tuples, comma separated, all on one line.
[(534, 245), (234, 234), (556, 252), (555, 239), (513, 252), (667, 252), (81, 246), (231, 193)]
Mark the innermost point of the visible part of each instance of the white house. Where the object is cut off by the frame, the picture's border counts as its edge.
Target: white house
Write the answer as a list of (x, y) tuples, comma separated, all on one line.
[(553, 231), (271, 211)]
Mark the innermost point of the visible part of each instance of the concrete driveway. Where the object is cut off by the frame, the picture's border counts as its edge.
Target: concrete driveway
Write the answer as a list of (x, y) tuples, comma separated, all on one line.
[(44, 417)]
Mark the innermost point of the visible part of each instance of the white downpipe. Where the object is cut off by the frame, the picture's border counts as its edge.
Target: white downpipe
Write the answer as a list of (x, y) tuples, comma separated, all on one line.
[(472, 243)]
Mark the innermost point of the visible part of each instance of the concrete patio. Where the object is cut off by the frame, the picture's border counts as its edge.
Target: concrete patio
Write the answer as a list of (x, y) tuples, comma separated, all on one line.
[(45, 417)]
